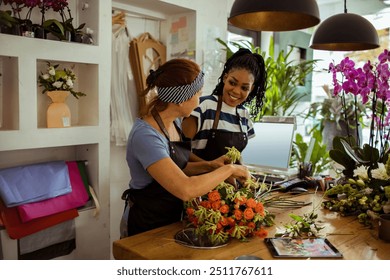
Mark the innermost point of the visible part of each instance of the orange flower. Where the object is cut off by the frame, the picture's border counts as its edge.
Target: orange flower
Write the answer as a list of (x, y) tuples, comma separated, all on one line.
[(251, 225), (231, 221), (259, 208), (251, 203), (238, 214), (248, 213), (224, 209), (240, 200), (190, 211), (216, 204), (224, 221), (206, 204), (214, 196), (262, 233)]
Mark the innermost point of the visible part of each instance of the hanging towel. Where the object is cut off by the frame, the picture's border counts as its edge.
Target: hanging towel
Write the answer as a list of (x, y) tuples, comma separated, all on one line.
[(16, 229), (35, 182), (77, 198)]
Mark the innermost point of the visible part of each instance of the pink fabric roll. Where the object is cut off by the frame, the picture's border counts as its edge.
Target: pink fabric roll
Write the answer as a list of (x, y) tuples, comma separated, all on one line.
[(76, 198)]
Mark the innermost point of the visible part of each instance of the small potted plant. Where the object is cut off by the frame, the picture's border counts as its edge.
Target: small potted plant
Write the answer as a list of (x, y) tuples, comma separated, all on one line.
[(58, 84)]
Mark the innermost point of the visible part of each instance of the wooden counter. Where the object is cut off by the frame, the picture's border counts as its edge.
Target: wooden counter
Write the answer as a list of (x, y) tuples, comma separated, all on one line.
[(353, 240)]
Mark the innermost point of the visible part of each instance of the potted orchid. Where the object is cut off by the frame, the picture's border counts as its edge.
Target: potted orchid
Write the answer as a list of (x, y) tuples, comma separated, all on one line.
[(365, 189)]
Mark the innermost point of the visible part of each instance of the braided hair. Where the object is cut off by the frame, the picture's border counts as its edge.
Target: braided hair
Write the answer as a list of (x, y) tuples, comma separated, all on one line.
[(254, 64)]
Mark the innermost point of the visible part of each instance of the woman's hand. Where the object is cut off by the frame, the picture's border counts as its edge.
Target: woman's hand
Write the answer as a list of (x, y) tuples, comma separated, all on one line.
[(218, 162), (241, 173)]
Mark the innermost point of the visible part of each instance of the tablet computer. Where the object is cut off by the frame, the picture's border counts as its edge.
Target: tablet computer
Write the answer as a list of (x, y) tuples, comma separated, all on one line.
[(301, 248)]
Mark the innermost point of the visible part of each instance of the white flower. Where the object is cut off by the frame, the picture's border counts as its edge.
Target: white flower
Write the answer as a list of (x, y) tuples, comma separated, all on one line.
[(51, 71), (57, 84), (361, 172), (386, 207), (367, 191), (380, 173), (45, 76), (69, 83)]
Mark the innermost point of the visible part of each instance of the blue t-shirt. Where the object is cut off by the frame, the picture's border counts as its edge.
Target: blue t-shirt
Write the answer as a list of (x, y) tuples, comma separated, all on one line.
[(145, 146)]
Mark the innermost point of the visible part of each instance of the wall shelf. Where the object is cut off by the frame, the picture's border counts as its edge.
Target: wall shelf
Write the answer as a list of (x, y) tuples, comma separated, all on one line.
[(25, 139)]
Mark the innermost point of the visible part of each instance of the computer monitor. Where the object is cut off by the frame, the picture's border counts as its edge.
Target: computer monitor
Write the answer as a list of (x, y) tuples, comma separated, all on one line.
[(270, 150)]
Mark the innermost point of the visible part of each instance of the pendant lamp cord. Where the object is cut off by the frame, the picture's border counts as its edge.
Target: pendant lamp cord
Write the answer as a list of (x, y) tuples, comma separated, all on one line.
[(345, 6)]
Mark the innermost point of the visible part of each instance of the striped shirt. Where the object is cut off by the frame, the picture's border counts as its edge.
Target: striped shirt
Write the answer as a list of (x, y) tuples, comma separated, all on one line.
[(228, 120)]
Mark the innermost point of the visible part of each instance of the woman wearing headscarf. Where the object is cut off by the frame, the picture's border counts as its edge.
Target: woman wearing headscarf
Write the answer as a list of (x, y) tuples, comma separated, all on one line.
[(159, 157)]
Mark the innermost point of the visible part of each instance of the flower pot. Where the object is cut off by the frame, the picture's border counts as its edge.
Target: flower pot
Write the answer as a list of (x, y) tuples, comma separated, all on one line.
[(58, 113), (331, 130), (39, 32), (384, 227)]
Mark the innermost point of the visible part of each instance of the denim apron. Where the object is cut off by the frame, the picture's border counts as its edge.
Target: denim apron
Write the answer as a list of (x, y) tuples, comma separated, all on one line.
[(218, 140), (153, 206)]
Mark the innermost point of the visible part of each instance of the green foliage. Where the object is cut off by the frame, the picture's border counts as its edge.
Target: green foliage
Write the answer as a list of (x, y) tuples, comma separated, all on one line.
[(54, 27), (6, 19), (346, 153), (320, 156)]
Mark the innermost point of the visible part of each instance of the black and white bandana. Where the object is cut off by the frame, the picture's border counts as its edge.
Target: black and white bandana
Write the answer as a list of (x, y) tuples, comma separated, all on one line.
[(179, 94)]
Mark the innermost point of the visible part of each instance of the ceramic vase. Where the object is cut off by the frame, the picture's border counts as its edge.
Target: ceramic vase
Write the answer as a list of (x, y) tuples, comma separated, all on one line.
[(58, 113)]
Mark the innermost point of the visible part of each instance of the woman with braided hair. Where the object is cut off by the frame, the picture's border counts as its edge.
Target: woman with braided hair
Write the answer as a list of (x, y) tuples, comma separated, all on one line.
[(162, 175), (221, 120)]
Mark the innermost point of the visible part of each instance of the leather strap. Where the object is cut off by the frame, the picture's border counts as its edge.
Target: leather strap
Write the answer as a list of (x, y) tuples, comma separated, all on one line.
[(218, 112), (160, 123)]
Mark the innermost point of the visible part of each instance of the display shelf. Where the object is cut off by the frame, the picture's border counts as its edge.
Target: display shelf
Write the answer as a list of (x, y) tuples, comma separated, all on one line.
[(24, 136), (84, 110)]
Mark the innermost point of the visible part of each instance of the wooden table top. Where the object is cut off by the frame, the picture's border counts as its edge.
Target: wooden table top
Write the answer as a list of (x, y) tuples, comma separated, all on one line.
[(351, 238)]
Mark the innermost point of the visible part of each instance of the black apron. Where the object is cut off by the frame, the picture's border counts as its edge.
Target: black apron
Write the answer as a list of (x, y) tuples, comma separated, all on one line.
[(153, 206), (218, 140)]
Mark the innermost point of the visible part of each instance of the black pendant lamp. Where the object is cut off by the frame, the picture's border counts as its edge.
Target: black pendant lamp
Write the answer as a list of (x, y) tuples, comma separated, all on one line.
[(274, 15), (345, 32)]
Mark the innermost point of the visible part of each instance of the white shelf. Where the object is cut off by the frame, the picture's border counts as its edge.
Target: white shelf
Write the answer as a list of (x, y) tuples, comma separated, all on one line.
[(23, 133)]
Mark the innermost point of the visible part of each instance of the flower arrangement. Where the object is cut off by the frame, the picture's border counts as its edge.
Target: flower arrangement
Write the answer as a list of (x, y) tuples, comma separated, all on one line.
[(365, 189), (227, 212), (55, 79), (303, 226), (366, 195)]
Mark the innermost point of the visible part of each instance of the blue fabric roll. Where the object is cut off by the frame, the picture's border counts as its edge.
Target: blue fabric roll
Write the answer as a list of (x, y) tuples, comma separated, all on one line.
[(36, 182)]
